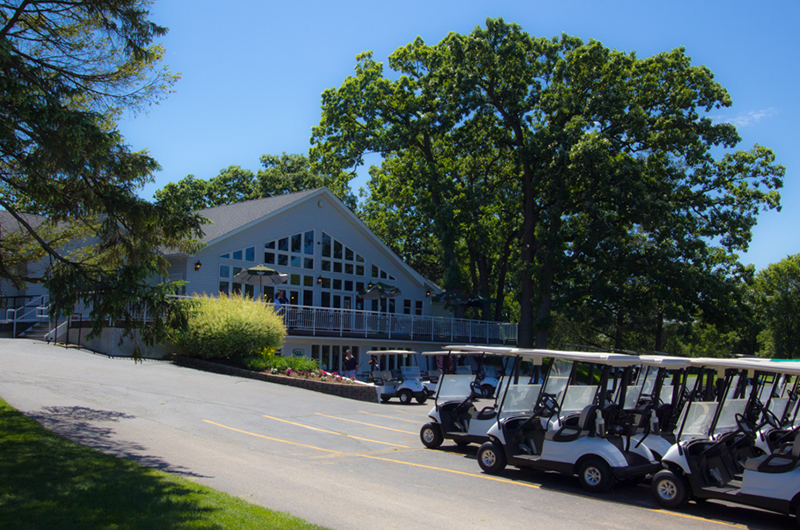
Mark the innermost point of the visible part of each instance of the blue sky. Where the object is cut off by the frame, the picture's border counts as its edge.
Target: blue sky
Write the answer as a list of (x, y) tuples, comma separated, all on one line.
[(252, 75)]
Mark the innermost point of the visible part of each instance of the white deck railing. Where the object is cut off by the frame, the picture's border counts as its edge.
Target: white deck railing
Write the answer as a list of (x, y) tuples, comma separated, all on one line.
[(325, 321)]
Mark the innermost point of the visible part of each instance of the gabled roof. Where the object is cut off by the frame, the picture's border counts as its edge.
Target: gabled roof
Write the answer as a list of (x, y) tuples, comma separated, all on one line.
[(233, 218), (9, 223)]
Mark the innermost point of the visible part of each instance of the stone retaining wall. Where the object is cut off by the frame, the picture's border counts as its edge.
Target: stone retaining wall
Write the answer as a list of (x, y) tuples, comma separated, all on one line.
[(356, 391)]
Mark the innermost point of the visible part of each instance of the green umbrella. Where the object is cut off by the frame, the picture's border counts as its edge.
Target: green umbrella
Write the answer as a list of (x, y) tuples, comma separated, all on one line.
[(374, 291), (450, 298), (260, 275), (478, 301)]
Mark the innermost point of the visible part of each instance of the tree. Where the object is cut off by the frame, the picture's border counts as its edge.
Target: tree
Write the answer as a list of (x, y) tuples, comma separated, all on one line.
[(777, 296), (604, 153), (281, 174), (67, 70)]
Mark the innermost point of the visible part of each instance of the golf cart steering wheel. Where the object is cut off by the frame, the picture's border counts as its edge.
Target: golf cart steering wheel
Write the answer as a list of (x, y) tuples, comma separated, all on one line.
[(745, 426), (475, 388), (549, 405), (771, 418), (742, 425)]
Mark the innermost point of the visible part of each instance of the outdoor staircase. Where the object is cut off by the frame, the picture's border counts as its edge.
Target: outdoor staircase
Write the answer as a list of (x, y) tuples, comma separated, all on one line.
[(37, 332)]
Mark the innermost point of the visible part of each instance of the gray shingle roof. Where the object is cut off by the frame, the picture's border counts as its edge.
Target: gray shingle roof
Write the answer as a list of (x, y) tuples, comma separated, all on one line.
[(232, 217), (9, 223)]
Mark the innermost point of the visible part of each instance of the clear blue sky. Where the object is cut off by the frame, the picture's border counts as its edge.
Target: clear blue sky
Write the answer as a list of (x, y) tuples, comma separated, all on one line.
[(253, 71)]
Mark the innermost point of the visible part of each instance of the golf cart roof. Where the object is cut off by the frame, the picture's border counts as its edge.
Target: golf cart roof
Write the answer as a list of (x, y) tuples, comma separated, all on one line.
[(665, 361), (749, 364), (612, 359)]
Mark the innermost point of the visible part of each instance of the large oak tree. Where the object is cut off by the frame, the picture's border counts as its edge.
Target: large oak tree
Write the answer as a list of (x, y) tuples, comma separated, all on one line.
[(608, 160)]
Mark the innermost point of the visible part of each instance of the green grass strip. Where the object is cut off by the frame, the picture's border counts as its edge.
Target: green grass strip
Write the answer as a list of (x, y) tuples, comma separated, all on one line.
[(48, 482)]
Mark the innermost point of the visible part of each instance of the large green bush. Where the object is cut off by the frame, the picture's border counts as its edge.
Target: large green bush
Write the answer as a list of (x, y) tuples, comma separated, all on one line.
[(229, 328)]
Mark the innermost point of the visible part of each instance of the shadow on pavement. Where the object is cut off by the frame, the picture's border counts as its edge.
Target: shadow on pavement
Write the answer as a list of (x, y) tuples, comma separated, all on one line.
[(78, 424)]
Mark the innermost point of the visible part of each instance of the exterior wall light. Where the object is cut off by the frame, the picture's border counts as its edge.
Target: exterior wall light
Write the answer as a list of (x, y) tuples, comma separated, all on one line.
[(319, 280), (197, 265)]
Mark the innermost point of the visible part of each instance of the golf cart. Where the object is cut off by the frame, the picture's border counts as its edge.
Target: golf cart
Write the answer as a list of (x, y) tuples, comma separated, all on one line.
[(406, 387), (462, 412), (656, 395), (575, 427), (779, 400), (716, 456)]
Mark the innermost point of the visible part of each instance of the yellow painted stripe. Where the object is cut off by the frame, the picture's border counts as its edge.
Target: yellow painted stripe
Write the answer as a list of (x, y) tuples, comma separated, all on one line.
[(367, 424), (334, 432), (463, 473), (392, 417), (275, 439)]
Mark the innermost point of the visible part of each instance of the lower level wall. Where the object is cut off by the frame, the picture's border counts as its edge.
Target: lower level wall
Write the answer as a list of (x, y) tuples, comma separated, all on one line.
[(355, 391), (113, 343)]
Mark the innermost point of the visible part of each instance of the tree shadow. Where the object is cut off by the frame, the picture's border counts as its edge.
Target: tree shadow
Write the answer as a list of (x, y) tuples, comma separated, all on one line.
[(78, 424), (48, 482)]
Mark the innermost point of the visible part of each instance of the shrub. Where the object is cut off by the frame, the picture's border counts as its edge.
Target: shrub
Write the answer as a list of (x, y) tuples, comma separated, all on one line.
[(265, 359), (229, 328)]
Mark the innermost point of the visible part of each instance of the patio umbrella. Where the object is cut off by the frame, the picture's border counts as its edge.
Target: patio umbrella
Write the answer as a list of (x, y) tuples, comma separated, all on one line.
[(260, 275), (379, 290), (479, 300), (450, 298)]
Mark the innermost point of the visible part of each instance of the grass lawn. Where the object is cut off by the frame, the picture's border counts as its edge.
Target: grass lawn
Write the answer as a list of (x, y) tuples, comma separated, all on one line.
[(48, 482)]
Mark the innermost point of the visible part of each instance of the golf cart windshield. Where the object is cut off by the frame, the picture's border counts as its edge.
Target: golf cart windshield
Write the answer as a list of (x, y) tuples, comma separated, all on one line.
[(558, 377), (727, 416), (454, 386), (521, 398), (696, 419)]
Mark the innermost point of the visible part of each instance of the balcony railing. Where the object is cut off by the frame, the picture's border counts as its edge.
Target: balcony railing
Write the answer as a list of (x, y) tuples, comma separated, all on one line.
[(323, 321)]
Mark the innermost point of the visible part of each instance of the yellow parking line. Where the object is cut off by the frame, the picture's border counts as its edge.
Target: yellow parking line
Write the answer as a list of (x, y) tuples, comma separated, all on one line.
[(334, 432), (367, 424), (476, 475), (392, 417), (275, 439)]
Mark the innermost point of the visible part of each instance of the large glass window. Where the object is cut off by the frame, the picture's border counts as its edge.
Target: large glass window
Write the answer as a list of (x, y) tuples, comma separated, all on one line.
[(308, 243), (326, 245)]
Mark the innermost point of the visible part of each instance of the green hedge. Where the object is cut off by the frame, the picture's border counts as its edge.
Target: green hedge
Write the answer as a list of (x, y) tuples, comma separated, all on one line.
[(230, 327)]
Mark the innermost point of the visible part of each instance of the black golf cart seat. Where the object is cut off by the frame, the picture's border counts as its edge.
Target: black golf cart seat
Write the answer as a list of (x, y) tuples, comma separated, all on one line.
[(779, 462), (576, 426)]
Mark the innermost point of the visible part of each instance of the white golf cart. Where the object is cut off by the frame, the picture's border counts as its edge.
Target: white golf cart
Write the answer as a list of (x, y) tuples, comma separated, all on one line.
[(462, 411), (575, 426), (656, 395), (715, 456), (778, 400), (407, 387)]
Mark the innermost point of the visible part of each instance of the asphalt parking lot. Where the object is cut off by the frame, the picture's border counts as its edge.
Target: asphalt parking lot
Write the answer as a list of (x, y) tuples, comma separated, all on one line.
[(336, 462)]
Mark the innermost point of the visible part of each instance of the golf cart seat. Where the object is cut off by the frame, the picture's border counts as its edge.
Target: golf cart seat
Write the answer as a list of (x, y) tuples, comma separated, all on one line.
[(572, 430), (776, 462)]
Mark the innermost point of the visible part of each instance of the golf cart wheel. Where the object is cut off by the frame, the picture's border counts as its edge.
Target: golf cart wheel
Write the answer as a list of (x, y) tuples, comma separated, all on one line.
[(405, 396), (422, 397), (594, 475), (669, 489), (487, 391), (431, 435), (385, 399), (491, 458)]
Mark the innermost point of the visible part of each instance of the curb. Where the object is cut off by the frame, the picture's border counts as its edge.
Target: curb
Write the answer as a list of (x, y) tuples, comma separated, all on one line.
[(357, 392)]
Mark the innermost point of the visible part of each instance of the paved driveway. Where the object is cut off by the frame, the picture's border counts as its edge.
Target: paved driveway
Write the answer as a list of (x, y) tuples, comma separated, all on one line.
[(332, 461)]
